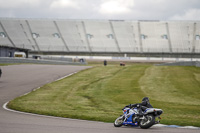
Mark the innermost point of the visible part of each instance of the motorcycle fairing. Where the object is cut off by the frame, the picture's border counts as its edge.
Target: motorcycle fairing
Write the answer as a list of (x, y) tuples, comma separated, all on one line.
[(129, 121)]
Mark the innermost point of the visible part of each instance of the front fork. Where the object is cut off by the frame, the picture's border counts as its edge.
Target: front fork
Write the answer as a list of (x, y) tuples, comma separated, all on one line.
[(158, 121)]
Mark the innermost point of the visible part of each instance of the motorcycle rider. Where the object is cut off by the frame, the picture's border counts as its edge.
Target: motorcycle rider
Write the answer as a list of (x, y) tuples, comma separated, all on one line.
[(141, 106)]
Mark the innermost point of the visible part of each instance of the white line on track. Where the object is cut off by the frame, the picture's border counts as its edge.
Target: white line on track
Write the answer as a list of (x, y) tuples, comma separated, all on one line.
[(46, 116), (54, 117)]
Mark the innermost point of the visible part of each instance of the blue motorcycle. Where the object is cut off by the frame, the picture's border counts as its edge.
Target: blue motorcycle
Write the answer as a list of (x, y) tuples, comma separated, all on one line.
[(131, 117)]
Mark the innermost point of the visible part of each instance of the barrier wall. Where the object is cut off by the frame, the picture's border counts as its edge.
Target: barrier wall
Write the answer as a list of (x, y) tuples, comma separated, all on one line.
[(182, 63), (34, 61)]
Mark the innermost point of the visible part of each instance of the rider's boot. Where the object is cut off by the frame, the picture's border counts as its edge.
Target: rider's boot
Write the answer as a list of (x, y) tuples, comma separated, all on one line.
[(141, 113)]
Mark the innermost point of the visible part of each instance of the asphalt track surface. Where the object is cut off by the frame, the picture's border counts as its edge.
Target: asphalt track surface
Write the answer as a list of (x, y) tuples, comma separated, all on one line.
[(20, 79)]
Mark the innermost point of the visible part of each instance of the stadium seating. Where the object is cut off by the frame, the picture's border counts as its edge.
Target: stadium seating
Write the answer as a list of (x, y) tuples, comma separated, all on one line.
[(46, 35), (73, 35), (197, 38), (100, 36), (155, 37), (181, 35), (125, 36), (15, 35), (105, 36)]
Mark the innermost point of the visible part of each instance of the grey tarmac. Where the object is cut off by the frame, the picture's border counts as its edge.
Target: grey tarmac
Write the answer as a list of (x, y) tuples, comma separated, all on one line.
[(17, 80)]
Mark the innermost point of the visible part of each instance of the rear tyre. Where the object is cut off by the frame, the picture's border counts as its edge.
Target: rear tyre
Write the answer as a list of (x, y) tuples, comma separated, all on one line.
[(119, 121), (148, 121)]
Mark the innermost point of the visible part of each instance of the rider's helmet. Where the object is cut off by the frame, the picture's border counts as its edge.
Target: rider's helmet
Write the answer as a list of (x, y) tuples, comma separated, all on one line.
[(145, 99)]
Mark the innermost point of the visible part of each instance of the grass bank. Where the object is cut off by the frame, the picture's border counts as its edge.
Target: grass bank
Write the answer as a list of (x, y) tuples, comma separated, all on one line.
[(101, 92)]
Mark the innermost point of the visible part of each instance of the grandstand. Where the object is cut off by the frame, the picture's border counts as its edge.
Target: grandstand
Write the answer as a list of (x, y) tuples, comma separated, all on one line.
[(102, 36)]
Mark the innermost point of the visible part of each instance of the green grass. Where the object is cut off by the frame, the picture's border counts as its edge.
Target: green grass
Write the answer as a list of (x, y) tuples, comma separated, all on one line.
[(7, 64), (101, 92)]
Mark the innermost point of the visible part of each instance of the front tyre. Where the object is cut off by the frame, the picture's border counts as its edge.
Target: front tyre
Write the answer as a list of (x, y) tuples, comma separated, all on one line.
[(119, 121), (148, 121)]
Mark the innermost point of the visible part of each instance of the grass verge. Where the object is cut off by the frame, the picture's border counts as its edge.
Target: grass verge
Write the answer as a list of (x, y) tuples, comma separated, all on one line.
[(101, 92)]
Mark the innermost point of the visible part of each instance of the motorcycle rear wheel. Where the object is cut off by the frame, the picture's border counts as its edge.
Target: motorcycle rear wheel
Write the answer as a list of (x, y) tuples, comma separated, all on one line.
[(148, 121), (119, 122)]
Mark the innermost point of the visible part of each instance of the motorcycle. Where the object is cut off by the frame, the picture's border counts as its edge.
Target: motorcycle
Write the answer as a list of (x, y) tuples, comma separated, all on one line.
[(131, 117)]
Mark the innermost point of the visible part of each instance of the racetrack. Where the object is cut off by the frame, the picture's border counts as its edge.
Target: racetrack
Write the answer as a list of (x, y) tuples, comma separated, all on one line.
[(20, 79)]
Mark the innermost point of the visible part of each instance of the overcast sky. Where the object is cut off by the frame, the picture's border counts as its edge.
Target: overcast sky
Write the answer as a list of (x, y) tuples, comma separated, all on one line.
[(102, 9)]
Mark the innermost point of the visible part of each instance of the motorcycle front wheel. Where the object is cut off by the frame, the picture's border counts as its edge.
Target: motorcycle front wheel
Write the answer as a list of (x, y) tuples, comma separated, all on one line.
[(148, 121), (119, 121)]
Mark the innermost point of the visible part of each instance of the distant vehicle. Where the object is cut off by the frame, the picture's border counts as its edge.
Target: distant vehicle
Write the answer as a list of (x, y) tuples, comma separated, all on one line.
[(20, 54), (122, 64), (37, 57)]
